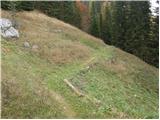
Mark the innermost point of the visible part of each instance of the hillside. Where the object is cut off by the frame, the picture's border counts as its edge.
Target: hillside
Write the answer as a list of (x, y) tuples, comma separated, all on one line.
[(33, 79)]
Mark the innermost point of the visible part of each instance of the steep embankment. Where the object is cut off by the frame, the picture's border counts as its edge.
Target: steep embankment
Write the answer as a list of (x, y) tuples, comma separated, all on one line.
[(33, 79)]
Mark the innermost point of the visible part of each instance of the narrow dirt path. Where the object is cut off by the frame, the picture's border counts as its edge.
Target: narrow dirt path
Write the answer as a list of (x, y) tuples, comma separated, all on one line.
[(63, 104), (85, 67), (44, 92)]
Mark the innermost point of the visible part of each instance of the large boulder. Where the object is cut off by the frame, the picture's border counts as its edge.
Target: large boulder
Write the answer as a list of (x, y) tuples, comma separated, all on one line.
[(5, 24), (7, 29), (10, 33)]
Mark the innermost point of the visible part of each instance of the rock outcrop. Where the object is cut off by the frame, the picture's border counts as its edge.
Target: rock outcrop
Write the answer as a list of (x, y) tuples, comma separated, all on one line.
[(7, 29)]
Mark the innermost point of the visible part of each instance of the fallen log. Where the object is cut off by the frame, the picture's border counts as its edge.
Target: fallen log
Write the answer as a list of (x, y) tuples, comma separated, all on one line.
[(73, 88), (92, 99)]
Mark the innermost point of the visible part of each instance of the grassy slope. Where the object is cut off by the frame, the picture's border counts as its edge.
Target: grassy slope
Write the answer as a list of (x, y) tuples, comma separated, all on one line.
[(32, 80)]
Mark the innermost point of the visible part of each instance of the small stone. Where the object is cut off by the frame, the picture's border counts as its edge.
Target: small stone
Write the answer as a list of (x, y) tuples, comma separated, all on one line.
[(94, 113), (98, 102), (87, 67), (26, 44), (35, 47)]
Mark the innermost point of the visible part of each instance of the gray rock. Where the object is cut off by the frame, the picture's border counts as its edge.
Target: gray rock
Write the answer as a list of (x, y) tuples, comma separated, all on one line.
[(5, 23), (26, 44), (10, 33), (7, 29)]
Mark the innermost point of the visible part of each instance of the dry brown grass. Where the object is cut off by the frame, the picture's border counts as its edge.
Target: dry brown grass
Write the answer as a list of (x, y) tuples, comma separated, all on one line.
[(117, 66), (39, 29), (36, 95), (69, 53), (132, 62), (33, 88), (65, 53), (120, 115), (34, 18)]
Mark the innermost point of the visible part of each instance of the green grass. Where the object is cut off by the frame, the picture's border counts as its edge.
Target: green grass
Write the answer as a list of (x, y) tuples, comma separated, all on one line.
[(119, 99), (20, 78), (33, 86), (133, 100)]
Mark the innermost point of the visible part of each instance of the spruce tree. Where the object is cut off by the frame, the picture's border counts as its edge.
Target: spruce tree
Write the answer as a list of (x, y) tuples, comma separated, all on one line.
[(118, 24), (138, 28), (94, 25), (153, 44), (106, 26), (26, 5)]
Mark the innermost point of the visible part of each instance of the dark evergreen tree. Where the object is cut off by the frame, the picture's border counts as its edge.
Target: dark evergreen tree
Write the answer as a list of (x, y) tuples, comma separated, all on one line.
[(106, 25), (94, 25), (153, 44), (18, 5), (118, 24), (63, 10), (5, 5), (69, 13), (138, 28), (26, 5), (128, 25), (76, 17)]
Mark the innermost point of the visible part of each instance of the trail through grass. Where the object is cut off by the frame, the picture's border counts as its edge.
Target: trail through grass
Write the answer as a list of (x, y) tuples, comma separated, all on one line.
[(33, 81)]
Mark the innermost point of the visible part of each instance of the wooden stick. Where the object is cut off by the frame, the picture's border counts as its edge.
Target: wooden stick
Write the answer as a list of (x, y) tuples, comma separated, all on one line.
[(73, 88), (93, 100), (89, 61)]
